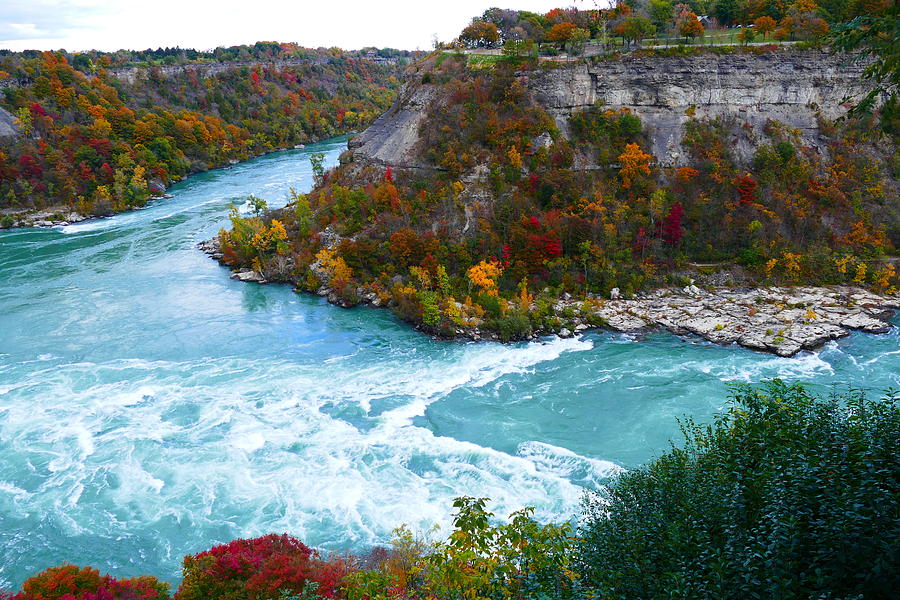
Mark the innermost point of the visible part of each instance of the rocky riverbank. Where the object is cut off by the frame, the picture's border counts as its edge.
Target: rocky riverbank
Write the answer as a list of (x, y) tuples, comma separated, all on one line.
[(50, 217), (780, 320), (41, 218)]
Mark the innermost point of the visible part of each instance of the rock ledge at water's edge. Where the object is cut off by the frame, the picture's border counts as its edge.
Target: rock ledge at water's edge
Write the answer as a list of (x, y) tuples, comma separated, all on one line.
[(780, 320)]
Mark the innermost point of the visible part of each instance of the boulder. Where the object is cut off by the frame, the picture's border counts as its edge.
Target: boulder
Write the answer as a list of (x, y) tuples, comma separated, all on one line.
[(249, 276)]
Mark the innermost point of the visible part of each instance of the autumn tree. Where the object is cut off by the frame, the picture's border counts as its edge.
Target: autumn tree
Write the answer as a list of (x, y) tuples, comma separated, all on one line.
[(561, 33), (689, 25), (480, 34), (635, 163), (671, 230), (484, 276), (765, 25), (802, 18)]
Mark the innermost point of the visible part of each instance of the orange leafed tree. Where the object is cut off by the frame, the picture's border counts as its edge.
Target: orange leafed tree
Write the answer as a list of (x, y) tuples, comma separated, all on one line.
[(484, 275), (765, 25), (480, 33), (689, 25), (561, 32), (635, 162)]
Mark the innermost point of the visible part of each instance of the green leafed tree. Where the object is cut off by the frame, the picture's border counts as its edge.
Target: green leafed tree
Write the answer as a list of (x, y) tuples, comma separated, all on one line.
[(875, 38), (785, 495)]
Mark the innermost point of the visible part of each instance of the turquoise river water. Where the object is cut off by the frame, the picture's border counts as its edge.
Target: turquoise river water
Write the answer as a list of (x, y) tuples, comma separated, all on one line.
[(151, 407)]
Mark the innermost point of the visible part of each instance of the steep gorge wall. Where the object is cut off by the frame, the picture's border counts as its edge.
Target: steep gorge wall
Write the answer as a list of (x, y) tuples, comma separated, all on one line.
[(790, 86)]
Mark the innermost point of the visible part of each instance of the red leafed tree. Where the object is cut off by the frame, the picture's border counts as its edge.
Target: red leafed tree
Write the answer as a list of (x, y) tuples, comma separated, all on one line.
[(641, 241), (69, 582), (37, 110), (389, 175), (30, 167), (106, 173), (552, 246), (507, 255), (671, 230), (746, 187), (102, 147), (84, 171)]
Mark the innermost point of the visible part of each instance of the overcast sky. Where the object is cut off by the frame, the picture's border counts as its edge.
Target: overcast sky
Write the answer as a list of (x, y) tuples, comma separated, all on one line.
[(139, 24)]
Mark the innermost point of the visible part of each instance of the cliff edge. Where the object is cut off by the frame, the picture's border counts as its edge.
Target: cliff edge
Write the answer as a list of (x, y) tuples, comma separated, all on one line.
[(793, 87)]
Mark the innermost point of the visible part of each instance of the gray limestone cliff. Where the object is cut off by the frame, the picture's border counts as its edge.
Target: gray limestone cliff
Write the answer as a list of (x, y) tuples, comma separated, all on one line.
[(793, 87), (8, 125)]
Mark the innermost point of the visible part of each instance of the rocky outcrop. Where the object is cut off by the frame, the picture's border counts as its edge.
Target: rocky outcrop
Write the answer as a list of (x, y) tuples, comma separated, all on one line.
[(205, 70), (773, 319), (790, 86), (393, 138), (44, 218), (8, 125)]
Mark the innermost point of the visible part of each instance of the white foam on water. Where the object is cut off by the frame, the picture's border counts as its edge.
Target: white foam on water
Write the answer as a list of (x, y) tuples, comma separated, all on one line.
[(567, 464), (803, 366), (87, 226), (481, 364), (245, 444), (12, 491), (748, 367)]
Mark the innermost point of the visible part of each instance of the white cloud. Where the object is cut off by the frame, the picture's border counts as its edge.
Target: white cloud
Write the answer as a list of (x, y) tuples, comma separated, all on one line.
[(350, 24)]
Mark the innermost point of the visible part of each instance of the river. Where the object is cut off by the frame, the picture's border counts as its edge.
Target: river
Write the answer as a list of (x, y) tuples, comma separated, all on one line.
[(151, 407)]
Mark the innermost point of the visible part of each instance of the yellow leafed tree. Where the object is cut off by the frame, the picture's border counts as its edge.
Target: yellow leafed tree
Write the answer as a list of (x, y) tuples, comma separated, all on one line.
[(484, 275), (635, 162)]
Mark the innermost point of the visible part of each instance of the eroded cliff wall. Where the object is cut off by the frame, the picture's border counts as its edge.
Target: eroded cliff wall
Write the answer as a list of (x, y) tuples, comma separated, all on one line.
[(790, 86)]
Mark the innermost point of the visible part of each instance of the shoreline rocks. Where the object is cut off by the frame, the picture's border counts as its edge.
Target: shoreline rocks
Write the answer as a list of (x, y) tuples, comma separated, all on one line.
[(780, 320), (41, 219)]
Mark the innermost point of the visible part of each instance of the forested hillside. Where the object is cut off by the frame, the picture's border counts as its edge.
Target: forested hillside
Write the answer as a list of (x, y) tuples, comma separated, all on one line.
[(503, 213), (99, 133)]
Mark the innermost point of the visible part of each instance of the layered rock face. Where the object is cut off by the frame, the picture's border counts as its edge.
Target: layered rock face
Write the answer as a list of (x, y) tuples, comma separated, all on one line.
[(8, 125), (393, 139), (789, 86)]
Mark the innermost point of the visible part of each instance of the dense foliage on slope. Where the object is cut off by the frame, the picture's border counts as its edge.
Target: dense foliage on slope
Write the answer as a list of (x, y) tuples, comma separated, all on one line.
[(99, 140), (874, 36), (513, 213), (785, 495)]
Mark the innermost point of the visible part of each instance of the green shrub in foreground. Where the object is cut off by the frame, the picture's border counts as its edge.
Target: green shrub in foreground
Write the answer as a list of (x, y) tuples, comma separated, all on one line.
[(785, 496)]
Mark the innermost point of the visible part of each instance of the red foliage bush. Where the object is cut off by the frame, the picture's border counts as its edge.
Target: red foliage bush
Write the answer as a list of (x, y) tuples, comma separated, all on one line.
[(552, 246), (29, 166), (671, 226), (746, 187), (70, 582), (37, 110), (257, 569)]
